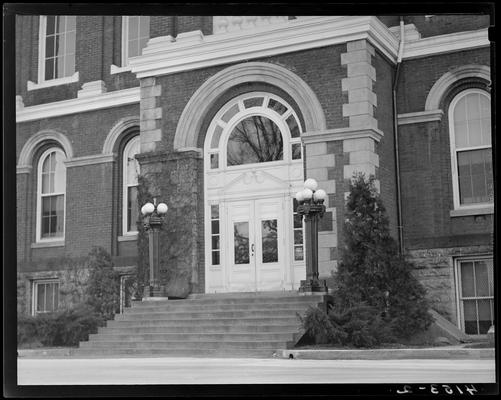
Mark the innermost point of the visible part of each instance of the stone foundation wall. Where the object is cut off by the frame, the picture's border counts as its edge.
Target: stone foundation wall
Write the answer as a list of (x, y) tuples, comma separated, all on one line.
[(435, 269)]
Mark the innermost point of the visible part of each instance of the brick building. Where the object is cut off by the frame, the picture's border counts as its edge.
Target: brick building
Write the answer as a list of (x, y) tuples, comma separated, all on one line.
[(226, 117)]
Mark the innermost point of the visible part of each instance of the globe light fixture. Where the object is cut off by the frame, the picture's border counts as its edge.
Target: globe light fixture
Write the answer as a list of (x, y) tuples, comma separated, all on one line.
[(153, 218), (311, 206)]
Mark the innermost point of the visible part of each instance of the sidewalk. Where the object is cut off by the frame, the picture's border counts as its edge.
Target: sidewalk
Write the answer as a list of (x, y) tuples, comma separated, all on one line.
[(443, 352)]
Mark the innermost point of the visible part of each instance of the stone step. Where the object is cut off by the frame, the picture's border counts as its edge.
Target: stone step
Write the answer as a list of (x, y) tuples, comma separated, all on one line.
[(198, 353), (168, 328), (220, 337), (181, 344), (175, 315), (188, 307), (206, 322), (225, 299)]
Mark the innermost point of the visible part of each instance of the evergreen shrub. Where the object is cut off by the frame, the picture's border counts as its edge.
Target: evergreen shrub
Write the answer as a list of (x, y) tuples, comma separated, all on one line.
[(376, 298)]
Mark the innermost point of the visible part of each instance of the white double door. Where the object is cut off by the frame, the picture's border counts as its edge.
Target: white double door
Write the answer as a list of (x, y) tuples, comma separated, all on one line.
[(256, 246)]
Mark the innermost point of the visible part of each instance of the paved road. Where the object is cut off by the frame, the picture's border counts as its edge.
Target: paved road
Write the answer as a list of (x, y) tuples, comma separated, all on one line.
[(160, 371)]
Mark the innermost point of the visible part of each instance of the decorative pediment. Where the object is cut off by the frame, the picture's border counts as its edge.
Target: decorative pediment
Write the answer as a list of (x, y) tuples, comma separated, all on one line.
[(254, 181)]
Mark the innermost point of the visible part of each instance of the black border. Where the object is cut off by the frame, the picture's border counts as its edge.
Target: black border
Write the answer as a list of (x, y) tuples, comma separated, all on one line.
[(11, 389)]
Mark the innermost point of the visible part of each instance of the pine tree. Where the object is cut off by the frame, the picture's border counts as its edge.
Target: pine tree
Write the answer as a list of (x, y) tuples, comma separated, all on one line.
[(372, 272)]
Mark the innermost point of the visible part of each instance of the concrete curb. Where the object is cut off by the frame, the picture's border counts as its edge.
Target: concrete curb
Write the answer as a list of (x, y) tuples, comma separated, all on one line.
[(388, 354), (363, 354)]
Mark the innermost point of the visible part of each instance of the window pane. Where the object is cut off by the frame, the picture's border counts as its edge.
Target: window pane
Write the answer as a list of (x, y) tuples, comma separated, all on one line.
[(49, 47), (230, 113), (296, 151), (40, 297), (474, 170), (481, 279), (461, 134), (467, 282), (215, 138), (144, 27), (60, 174), (253, 102), (133, 28), (475, 132), (298, 236), (269, 237), (49, 69), (298, 253), (484, 316), (277, 106), (460, 111), (70, 43), (215, 258), (254, 140), (215, 227), (293, 126), (214, 161), (470, 317), (241, 242), (51, 20), (46, 183), (132, 208), (59, 216), (45, 227), (133, 48), (215, 242), (214, 211), (298, 221)]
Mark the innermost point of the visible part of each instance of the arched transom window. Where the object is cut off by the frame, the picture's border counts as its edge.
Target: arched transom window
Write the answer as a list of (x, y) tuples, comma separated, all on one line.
[(251, 129), (130, 182), (470, 128), (51, 195)]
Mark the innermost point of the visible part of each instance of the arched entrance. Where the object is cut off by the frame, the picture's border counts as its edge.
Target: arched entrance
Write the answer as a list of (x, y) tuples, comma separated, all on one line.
[(253, 166)]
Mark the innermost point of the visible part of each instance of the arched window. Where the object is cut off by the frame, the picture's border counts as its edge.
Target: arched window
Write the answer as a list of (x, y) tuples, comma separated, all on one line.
[(471, 153), (130, 175), (254, 128), (51, 195)]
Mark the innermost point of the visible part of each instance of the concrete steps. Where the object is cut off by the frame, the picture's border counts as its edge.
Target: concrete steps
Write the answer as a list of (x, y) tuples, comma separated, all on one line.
[(222, 325)]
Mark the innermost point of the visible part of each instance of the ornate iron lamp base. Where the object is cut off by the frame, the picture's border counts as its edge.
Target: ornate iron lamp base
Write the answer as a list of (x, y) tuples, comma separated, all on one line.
[(313, 286)]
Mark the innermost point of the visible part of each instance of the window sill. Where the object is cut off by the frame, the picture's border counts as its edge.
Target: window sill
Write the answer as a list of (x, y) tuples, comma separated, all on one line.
[(54, 243), (53, 82), (114, 69), (480, 210), (127, 238)]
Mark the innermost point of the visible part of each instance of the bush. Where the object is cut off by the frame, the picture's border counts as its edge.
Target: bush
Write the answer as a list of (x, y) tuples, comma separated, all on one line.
[(62, 328), (103, 286)]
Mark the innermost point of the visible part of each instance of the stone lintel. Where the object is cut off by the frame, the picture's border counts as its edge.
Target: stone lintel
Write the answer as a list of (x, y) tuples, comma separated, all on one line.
[(341, 134)]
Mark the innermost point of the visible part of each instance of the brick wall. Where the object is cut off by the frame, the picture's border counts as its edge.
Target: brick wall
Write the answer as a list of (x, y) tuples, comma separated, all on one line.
[(417, 76), (446, 24), (386, 147)]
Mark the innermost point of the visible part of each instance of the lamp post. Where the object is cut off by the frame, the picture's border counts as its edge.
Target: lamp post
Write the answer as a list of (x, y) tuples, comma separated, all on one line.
[(153, 219), (311, 206)]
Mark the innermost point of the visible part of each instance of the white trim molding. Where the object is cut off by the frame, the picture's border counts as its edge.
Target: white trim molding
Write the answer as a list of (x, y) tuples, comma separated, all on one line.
[(53, 82), (26, 156), (89, 160), (420, 117), (328, 135), (117, 130), (191, 119), (441, 86), (446, 43), (478, 210), (83, 104), (194, 50)]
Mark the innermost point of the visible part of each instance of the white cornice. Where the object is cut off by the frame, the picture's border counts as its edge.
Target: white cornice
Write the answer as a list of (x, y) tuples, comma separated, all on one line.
[(166, 56), (419, 117), (341, 134), (446, 43), (78, 105)]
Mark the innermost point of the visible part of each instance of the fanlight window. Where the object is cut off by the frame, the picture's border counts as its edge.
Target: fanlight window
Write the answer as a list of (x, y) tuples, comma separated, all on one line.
[(254, 128), (255, 139)]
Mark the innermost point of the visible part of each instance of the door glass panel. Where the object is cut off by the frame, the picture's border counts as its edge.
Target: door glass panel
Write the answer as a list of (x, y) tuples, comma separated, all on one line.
[(270, 240), (241, 242)]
